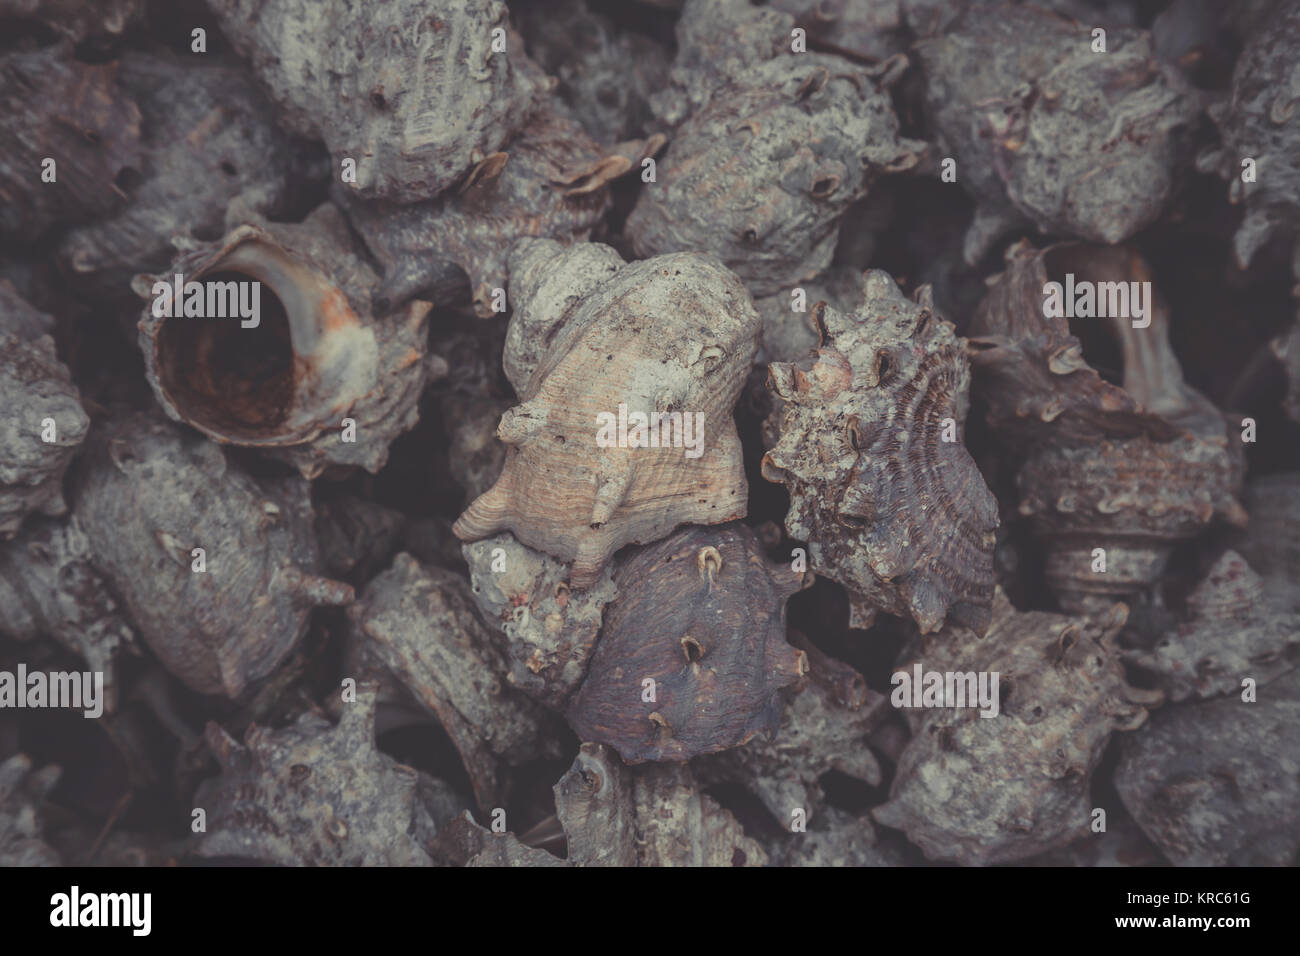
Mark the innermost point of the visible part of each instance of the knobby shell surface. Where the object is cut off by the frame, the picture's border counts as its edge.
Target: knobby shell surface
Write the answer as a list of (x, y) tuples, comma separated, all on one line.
[(381, 84), (315, 794), (149, 495), (989, 790), (208, 136), (418, 623), (550, 628), (645, 816), (670, 334), (1231, 632), (1050, 133), (715, 651), (315, 356), (1214, 783), (889, 508)]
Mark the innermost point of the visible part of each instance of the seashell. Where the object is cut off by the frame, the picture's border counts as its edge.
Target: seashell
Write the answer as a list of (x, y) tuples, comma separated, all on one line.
[(76, 114), (825, 728), (889, 509), (50, 587), (1122, 843), (315, 794), (42, 403), (23, 792), (416, 97), (606, 76), (671, 334), (1260, 121), (549, 182), (419, 625), (838, 838), (1287, 349), (761, 174), (1132, 470), (1214, 783), (208, 137), (78, 20), (788, 335), (356, 536), (647, 816), (1061, 693), (550, 628), (1231, 632), (1049, 133), (148, 497), (315, 355), (475, 456), (464, 843), (864, 29), (1270, 541), (702, 614)]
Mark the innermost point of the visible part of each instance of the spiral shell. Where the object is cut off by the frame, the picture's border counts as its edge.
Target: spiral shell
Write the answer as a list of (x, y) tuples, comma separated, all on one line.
[(890, 507), (1061, 693), (701, 615), (673, 334), (314, 357), (416, 96)]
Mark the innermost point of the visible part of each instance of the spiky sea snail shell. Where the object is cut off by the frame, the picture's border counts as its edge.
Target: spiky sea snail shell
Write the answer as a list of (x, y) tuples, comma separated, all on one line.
[(672, 334), (881, 487), (285, 380)]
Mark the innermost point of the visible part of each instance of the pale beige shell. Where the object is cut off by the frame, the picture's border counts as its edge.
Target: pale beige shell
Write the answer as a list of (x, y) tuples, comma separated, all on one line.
[(672, 334)]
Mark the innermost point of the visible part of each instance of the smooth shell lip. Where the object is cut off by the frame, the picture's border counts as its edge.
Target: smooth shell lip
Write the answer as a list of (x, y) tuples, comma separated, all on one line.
[(334, 360)]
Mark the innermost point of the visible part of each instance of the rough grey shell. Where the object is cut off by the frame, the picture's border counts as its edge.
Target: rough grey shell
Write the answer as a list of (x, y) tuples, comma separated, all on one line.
[(1214, 783), (1062, 692), (150, 494), (22, 798), (891, 510), (315, 794), (415, 95), (1049, 133)]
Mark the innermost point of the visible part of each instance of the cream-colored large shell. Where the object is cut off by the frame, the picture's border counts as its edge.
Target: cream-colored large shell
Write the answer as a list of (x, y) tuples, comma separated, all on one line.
[(676, 333)]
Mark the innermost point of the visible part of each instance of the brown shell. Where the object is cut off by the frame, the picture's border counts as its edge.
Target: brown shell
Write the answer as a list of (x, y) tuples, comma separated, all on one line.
[(550, 628), (898, 516), (464, 843), (314, 794), (414, 94), (23, 792), (702, 614), (1131, 470), (317, 356), (547, 182), (1214, 783), (416, 624), (673, 333), (149, 494), (825, 727), (34, 386), (1062, 693), (52, 106), (1231, 632), (50, 587), (761, 175), (645, 816)]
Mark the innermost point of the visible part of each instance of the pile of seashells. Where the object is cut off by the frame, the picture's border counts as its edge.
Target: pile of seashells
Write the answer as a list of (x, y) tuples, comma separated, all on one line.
[(650, 432)]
